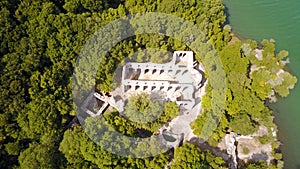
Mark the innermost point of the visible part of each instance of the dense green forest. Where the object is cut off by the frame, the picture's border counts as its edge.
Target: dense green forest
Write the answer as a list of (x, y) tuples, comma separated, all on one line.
[(40, 41)]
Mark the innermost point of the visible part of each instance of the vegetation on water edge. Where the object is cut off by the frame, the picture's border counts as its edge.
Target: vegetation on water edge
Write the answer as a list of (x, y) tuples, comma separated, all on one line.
[(40, 41)]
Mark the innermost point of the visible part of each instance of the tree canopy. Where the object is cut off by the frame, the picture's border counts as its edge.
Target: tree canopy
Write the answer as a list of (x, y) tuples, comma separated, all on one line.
[(40, 41)]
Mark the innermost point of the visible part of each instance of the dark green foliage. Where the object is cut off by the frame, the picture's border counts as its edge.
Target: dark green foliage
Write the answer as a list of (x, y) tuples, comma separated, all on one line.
[(40, 41), (82, 152)]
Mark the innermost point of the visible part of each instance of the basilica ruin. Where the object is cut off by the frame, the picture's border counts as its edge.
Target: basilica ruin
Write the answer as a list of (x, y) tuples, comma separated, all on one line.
[(181, 81), (178, 80)]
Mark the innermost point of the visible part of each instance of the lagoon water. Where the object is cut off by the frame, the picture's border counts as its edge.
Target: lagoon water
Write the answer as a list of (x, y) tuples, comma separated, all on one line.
[(280, 20)]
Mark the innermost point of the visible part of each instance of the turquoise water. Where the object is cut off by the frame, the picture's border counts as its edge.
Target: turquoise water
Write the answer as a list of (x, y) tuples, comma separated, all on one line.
[(280, 20)]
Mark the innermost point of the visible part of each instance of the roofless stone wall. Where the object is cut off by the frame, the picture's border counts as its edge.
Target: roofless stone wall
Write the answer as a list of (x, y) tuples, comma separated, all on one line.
[(177, 80)]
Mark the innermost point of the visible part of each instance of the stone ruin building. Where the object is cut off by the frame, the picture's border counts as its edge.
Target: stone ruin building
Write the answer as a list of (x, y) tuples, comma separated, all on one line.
[(178, 81)]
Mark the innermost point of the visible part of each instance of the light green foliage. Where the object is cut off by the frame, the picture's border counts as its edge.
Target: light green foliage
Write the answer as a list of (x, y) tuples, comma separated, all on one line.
[(120, 124), (143, 113), (152, 55), (82, 152), (270, 74), (70, 146), (40, 41), (260, 83), (245, 150), (257, 165), (171, 111), (141, 109), (37, 156), (246, 91), (242, 124), (287, 83), (189, 156), (12, 148), (265, 139)]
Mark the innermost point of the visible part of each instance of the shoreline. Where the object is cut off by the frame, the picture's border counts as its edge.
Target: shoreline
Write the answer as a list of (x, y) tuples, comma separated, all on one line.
[(239, 37)]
